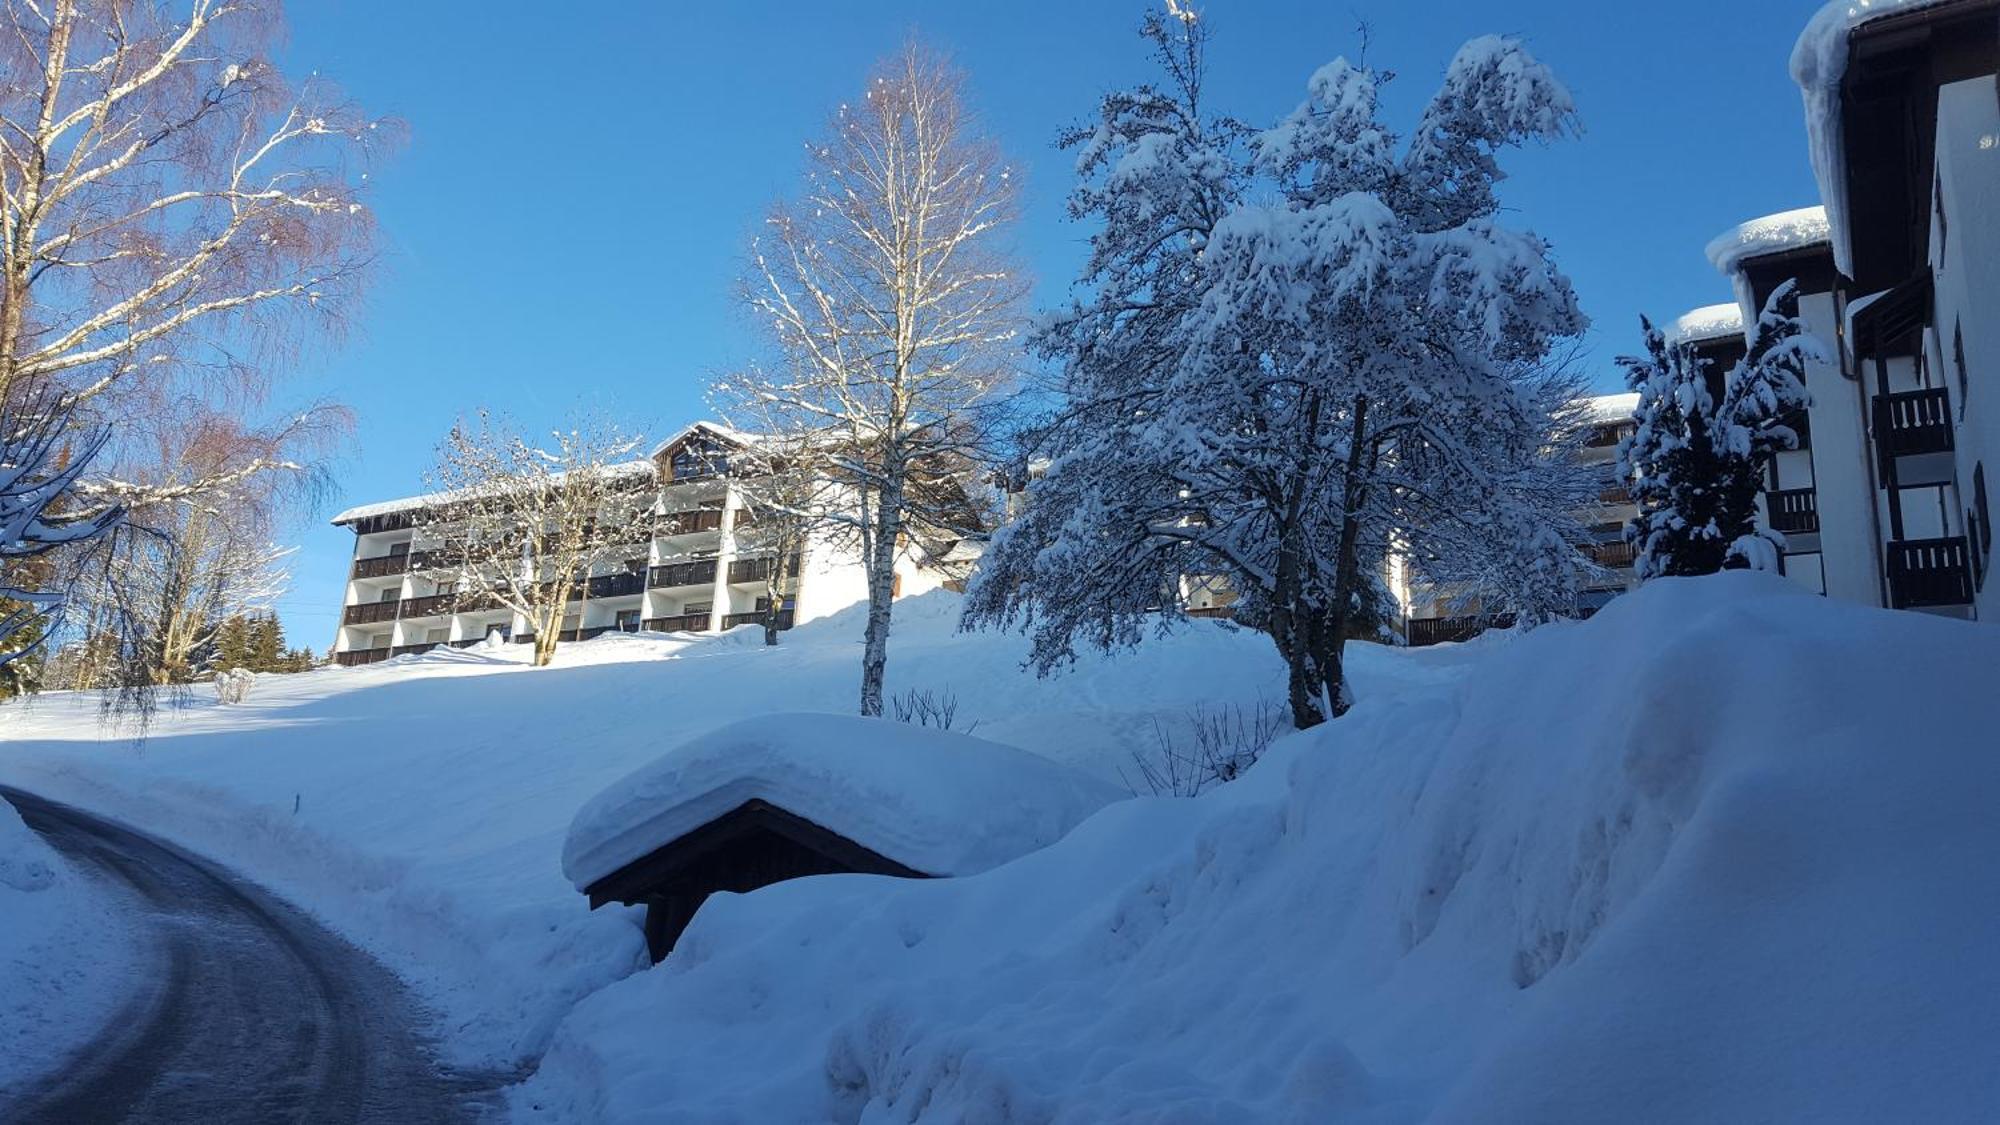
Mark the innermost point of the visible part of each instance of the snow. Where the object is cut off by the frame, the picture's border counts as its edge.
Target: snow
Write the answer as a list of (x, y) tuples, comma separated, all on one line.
[(407, 503), (1718, 854), (1819, 60), (1772, 234), (1612, 408), (1710, 322), (934, 801), (419, 806), (61, 949)]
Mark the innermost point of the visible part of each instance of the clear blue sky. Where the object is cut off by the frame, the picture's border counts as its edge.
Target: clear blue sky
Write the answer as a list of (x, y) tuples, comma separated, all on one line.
[(565, 223)]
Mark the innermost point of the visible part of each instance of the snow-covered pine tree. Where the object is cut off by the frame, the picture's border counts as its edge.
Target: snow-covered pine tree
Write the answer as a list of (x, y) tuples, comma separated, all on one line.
[(1698, 465), (1761, 397), (1301, 350)]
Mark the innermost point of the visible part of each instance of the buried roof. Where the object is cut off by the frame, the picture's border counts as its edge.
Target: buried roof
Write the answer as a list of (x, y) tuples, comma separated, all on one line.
[(933, 801)]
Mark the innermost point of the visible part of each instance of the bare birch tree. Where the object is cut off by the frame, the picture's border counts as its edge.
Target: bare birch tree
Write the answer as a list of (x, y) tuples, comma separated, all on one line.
[(168, 202), (891, 296), (522, 526)]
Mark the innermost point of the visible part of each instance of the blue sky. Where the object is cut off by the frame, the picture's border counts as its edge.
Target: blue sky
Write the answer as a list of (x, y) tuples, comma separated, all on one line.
[(565, 224)]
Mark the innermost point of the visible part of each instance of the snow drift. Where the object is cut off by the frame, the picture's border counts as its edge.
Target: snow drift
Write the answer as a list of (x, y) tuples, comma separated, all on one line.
[(61, 952), (1721, 853)]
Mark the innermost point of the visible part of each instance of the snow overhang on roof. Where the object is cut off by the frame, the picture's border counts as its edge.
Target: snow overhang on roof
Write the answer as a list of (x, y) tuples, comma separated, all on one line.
[(1772, 234), (739, 437), (1612, 408), (1710, 322), (1819, 61), (410, 503)]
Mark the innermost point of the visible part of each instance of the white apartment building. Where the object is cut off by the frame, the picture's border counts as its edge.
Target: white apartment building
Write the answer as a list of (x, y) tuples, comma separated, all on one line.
[(1899, 274), (688, 568)]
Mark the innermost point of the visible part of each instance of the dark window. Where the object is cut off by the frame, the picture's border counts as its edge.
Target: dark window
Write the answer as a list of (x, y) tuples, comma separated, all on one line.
[(1958, 359), (388, 596), (399, 548), (1937, 194), (628, 620), (697, 607), (1979, 527)]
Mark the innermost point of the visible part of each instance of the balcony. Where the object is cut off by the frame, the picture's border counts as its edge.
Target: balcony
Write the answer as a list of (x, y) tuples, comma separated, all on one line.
[(1793, 511), (683, 574), (432, 605), (1925, 573), (1613, 553), (381, 566), (685, 623), (688, 523), (370, 613), (757, 570), (354, 658), (1440, 630), (414, 650), (1909, 423), (756, 617), (617, 585)]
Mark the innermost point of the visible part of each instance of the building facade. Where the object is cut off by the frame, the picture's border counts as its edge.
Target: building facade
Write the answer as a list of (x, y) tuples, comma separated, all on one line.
[(691, 564)]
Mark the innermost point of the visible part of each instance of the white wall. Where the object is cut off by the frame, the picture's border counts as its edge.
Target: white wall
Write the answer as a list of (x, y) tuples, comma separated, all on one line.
[(1844, 487), (1965, 265)]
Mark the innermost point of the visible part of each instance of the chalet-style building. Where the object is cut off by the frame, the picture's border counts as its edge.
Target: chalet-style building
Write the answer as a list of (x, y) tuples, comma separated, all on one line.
[(687, 569)]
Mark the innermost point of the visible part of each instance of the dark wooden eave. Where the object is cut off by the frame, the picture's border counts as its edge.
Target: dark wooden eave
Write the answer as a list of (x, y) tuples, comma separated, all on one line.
[(659, 871), (1895, 65)]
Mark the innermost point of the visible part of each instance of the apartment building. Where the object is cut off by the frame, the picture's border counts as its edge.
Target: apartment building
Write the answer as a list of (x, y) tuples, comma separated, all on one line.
[(1898, 271), (691, 564)]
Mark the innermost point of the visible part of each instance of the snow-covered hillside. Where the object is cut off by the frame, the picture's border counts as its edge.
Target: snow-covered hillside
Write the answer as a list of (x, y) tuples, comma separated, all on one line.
[(1721, 854), (420, 805)]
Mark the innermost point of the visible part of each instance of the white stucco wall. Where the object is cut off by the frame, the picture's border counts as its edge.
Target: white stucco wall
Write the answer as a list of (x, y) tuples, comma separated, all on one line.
[(1965, 266)]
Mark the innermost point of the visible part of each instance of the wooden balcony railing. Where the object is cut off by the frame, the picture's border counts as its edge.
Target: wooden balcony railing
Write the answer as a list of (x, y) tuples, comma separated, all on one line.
[(356, 657), (381, 566), (756, 617), (1615, 552), (688, 523), (617, 585), (414, 650), (1930, 572), (1437, 630), (685, 623), (430, 605), (1793, 511), (757, 570), (682, 574), (369, 613), (1913, 422)]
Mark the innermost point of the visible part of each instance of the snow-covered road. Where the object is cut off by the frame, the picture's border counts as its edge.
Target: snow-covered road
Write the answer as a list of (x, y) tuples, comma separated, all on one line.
[(248, 1010)]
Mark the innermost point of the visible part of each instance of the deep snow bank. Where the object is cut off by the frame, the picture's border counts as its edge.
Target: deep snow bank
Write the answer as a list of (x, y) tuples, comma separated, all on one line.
[(62, 955), (1723, 853)]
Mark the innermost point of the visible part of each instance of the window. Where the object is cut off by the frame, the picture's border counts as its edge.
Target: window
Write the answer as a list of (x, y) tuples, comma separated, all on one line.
[(1958, 360), (693, 608), (399, 548), (628, 621), (436, 636), (1937, 195), (388, 595), (1979, 528)]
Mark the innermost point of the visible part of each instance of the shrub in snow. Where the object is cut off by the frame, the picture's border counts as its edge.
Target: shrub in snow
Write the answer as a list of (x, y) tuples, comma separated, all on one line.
[(1302, 350), (234, 685), (927, 708), (1699, 465), (1220, 744)]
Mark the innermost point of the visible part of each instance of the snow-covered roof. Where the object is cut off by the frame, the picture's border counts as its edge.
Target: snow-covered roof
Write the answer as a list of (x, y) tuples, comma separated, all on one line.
[(407, 503), (935, 801), (1819, 60), (740, 437), (1612, 408), (1710, 322), (1772, 234)]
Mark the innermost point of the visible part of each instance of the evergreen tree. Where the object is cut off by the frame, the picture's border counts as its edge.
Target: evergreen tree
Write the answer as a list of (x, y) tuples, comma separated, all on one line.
[(1698, 465), (267, 644), (232, 644)]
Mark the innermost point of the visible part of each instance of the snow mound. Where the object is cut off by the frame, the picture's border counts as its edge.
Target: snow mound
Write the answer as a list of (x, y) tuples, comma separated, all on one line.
[(26, 863), (1710, 322), (1772, 234), (938, 802), (1719, 854)]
